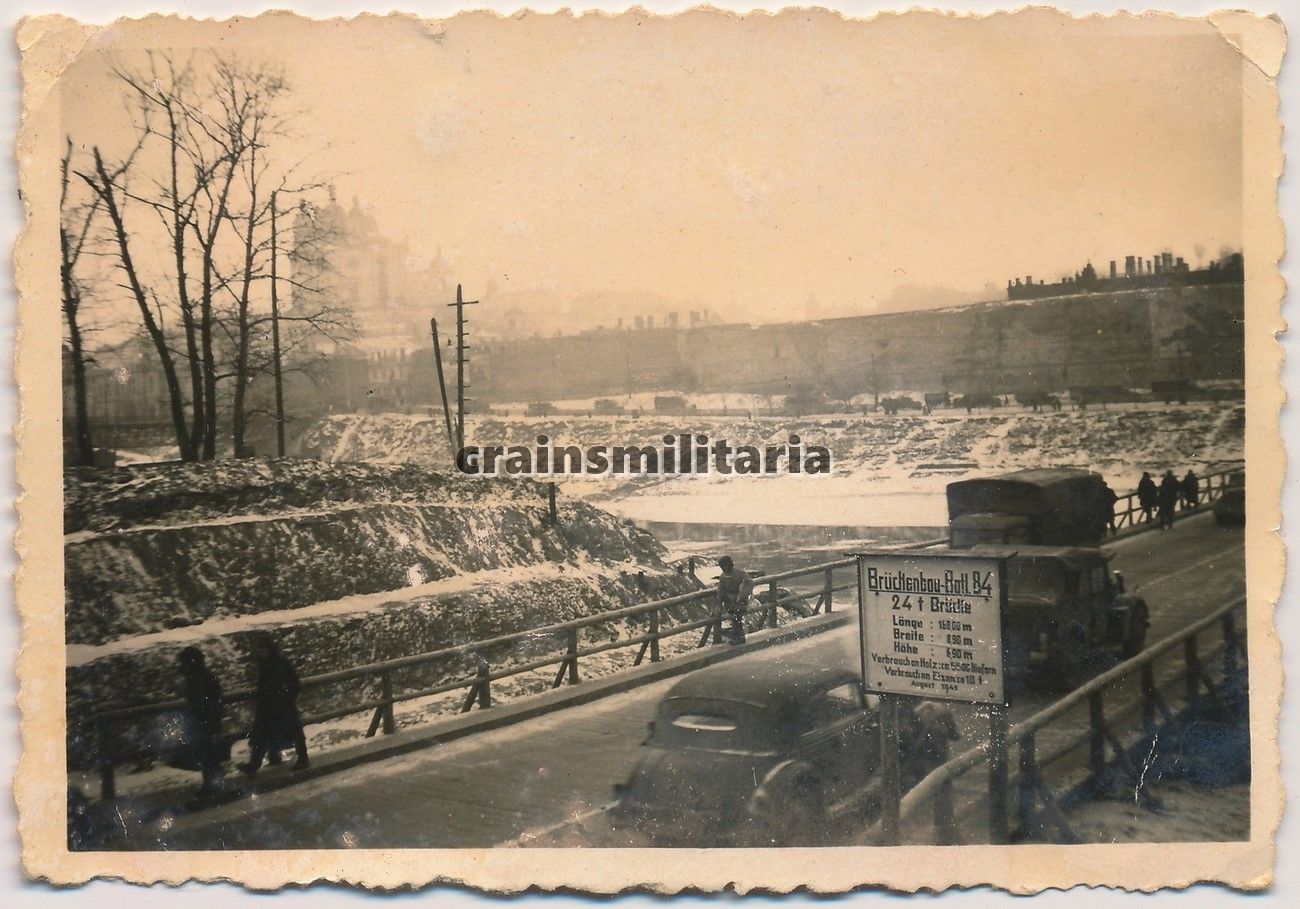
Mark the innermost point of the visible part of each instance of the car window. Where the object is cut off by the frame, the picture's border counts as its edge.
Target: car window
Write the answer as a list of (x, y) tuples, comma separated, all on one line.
[(1029, 579), (703, 722), (1099, 579), (714, 724)]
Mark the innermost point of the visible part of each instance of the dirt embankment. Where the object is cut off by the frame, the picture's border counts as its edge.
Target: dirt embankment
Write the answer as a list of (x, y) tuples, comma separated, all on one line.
[(343, 563)]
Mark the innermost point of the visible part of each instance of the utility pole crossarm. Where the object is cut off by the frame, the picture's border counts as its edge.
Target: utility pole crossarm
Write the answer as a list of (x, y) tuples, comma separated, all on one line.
[(461, 360)]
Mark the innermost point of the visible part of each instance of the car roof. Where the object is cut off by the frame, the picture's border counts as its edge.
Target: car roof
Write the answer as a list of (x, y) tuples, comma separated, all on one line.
[(770, 684), (1070, 556)]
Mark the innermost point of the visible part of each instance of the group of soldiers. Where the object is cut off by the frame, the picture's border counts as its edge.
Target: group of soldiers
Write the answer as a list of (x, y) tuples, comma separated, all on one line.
[(1163, 498), (276, 723)]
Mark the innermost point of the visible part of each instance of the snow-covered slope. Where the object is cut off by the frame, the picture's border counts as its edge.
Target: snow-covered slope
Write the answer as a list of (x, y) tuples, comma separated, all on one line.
[(344, 564), (888, 470)]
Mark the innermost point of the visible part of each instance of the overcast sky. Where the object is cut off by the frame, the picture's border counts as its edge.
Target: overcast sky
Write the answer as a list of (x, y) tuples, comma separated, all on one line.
[(746, 164)]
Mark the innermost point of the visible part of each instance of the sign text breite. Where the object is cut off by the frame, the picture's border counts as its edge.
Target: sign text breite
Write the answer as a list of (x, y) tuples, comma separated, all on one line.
[(932, 626)]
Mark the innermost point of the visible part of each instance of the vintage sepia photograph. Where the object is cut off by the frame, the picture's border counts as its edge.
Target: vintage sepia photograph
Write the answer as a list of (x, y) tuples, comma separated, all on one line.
[(640, 435)]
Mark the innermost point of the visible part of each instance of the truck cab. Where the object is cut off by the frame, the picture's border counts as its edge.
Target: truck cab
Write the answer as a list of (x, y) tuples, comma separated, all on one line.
[(1067, 612)]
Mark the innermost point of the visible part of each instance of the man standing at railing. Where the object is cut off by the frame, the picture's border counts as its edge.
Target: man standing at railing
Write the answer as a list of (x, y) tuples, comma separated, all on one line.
[(734, 589)]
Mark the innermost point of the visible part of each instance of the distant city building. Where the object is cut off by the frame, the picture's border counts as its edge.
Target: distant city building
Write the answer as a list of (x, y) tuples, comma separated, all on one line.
[(390, 289), (1161, 270)]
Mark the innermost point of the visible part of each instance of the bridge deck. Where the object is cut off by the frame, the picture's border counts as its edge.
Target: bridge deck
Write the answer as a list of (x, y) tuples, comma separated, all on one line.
[(543, 781)]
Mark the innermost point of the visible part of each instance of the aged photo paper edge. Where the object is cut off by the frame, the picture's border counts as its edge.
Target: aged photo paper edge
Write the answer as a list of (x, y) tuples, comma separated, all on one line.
[(49, 44)]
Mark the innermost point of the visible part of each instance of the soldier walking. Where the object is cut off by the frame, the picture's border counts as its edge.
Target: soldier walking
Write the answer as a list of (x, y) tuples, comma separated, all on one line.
[(276, 723), (203, 698), (1147, 496), (1170, 490), (1106, 499), (1191, 490)]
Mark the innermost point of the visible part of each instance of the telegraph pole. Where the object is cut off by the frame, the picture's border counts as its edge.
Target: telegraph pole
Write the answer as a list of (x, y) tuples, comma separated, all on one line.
[(275, 337), (461, 359), (442, 387)]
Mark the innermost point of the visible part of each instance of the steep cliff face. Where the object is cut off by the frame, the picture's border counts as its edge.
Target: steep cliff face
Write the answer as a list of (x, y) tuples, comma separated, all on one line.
[(1129, 337), (343, 563)]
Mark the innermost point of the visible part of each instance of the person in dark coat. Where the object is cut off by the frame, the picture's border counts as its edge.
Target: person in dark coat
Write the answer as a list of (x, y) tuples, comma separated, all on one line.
[(1170, 490), (276, 724), (1148, 496), (1191, 490), (1106, 499), (734, 589), (203, 698)]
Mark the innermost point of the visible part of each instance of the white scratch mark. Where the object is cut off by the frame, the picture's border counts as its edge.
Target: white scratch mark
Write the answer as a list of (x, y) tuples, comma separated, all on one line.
[(1146, 765)]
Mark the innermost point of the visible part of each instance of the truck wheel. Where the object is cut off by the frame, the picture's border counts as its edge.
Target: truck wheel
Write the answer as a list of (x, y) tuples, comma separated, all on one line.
[(1139, 621)]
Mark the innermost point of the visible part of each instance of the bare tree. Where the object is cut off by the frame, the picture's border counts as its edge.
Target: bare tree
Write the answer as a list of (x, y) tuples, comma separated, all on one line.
[(109, 188), (312, 314), (75, 221), (208, 124)]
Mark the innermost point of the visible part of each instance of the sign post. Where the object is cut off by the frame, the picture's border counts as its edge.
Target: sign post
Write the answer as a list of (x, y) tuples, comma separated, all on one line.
[(931, 628)]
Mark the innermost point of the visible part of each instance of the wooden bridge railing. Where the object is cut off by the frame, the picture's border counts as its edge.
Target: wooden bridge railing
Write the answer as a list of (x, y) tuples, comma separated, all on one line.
[(1037, 805), (114, 745)]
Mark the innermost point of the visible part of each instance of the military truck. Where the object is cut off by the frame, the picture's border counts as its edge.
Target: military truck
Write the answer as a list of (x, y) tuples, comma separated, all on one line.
[(1044, 507), (1067, 613), (1068, 616)]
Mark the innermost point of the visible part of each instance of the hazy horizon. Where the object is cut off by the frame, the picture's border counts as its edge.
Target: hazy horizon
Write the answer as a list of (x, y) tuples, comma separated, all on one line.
[(751, 170)]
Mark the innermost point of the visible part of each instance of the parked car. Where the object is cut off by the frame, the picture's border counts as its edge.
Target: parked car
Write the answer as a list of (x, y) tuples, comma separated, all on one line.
[(1230, 506), (782, 752)]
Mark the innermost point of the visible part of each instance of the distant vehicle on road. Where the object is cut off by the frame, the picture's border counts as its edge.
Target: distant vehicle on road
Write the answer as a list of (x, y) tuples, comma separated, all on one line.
[(780, 753), (1067, 616), (1045, 507), (1230, 506)]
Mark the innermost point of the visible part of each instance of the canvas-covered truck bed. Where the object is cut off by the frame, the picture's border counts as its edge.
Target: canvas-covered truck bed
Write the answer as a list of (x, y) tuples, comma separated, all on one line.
[(1045, 507)]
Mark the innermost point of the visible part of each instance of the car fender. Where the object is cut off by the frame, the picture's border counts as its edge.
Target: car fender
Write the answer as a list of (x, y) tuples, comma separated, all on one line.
[(776, 788)]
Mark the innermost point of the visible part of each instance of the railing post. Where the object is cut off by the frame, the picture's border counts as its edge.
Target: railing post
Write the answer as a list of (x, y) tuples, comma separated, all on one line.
[(1192, 665), (944, 828), (484, 685), (107, 781), (997, 775), (773, 596), (1230, 645), (386, 694), (1025, 785), (1148, 699), (1097, 738), (828, 590), (573, 656), (891, 793), (654, 630)]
